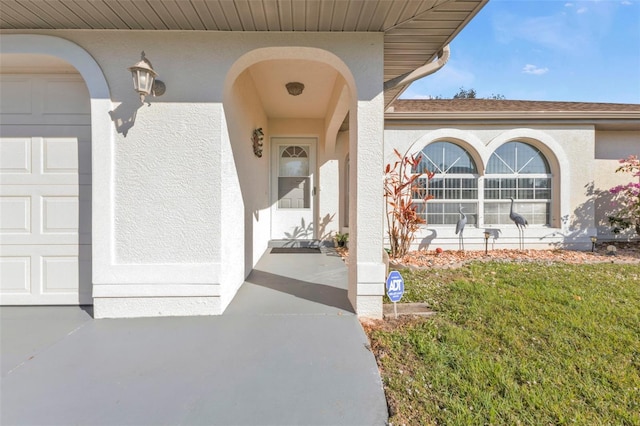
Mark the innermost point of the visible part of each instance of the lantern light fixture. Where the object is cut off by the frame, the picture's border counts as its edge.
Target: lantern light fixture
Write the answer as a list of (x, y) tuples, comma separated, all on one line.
[(487, 234), (594, 239), (294, 88), (144, 79)]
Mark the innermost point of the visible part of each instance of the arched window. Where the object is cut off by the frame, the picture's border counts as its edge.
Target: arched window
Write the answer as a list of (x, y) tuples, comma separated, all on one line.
[(454, 184), (518, 170)]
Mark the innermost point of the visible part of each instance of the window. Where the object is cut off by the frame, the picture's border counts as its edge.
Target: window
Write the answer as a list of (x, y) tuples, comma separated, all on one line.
[(454, 184), (294, 182), (518, 170)]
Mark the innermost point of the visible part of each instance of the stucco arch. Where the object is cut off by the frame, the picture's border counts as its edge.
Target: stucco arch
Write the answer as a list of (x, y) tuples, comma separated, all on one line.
[(343, 100), (289, 53), (466, 140), (555, 156), (63, 49), (101, 133)]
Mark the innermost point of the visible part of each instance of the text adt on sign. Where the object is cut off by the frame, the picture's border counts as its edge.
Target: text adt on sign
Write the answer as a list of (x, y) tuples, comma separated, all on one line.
[(395, 286)]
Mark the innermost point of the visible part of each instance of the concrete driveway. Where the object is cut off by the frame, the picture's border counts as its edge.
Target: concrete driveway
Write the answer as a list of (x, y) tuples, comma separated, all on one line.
[(288, 351)]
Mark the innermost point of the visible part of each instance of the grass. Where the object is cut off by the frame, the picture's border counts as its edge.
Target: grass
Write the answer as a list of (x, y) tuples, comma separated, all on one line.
[(516, 343)]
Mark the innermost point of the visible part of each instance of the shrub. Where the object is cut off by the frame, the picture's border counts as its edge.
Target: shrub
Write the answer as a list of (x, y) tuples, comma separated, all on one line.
[(403, 219), (626, 198)]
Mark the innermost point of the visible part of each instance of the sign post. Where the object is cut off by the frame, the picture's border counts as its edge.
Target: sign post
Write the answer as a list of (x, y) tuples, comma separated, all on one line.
[(395, 289)]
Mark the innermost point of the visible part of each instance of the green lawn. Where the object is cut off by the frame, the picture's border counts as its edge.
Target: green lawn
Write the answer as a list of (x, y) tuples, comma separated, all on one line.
[(516, 343)]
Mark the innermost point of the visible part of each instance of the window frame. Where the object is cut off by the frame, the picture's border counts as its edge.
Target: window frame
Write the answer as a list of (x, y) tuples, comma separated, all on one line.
[(540, 184), (448, 207), (524, 205)]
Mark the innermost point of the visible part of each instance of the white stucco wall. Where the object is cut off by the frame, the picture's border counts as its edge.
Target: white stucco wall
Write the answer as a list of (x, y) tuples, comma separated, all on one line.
[(569, 150), (245, 194), (611, 146), (160, 226), (162, 174)]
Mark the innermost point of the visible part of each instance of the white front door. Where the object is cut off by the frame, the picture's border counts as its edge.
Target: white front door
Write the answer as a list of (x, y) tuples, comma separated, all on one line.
[(293, 163)]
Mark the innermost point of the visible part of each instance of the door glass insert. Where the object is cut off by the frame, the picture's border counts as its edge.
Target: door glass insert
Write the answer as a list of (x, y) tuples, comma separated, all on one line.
[(294, 182)]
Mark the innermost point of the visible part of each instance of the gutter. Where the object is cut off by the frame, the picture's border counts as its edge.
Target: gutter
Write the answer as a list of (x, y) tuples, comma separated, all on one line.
[(418, 73)]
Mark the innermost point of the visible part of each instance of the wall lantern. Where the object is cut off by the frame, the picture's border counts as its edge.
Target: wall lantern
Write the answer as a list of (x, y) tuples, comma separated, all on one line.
[(487, 234), (294, 88), (593, 243), (144, 79)]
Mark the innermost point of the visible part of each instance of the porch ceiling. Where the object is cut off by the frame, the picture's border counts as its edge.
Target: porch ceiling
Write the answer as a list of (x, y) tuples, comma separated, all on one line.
[(414, 30)]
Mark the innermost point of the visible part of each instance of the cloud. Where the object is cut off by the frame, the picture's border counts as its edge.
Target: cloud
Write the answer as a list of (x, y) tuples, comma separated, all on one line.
[(534, 69), (573, 28), (626, 2)]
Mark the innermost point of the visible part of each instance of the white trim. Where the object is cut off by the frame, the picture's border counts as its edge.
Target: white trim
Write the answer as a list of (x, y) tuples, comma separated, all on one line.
[(158, 290)]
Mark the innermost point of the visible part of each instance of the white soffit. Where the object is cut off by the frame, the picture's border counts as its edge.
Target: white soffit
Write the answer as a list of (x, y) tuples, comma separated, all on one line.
[(415, 30)]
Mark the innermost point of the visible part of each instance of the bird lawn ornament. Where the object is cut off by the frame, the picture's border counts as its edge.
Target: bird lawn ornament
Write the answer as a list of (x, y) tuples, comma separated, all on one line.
[(520, 222), (460, 229)]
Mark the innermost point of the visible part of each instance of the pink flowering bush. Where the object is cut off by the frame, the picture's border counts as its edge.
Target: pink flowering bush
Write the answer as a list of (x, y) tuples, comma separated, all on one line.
[(626, 198)]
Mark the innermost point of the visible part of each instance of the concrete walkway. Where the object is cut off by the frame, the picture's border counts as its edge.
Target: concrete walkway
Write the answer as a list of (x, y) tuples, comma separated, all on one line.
[(288, 351)]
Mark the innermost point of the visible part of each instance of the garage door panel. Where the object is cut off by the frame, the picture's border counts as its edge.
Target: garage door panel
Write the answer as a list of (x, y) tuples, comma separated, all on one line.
[(49, 214), (60, 214), (60, 156), (84, 160), (16, 96), (29, 99), (45, 274), (45, 161), (59, 274), (84, 212), (15, 215), (15, 274), (15, 156), (64, 95), (45, 196)]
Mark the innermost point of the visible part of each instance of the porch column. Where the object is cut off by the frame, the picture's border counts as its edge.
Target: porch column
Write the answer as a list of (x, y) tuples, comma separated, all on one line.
[(366, 267)]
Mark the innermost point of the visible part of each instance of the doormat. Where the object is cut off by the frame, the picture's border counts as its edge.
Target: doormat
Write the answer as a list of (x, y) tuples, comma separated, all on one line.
[(295, 250)]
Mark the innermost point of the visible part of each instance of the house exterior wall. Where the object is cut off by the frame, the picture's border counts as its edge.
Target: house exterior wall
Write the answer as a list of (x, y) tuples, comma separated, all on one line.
[(171, 177), (244, 207), (569, 149), (611, 146)]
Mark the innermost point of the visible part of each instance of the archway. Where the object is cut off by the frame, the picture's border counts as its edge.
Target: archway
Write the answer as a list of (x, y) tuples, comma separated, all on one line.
[(303, 125), (65, 208)]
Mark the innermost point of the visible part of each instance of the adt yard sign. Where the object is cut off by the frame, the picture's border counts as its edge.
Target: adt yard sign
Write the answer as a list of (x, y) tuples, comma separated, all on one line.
[(395, 286)]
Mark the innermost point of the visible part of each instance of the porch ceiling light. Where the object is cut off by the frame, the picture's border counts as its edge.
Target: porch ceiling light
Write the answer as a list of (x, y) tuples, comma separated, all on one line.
[(294, 88), (144, 79)]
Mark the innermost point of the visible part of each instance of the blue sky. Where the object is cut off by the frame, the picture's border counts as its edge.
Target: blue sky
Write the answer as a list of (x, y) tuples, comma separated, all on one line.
[(545, 50)]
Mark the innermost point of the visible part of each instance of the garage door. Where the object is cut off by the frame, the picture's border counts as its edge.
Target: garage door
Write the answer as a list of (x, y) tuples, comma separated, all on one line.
[(45, 196)]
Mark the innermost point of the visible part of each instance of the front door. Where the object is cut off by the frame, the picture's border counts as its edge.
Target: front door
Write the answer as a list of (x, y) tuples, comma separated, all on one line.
[(293, 191)]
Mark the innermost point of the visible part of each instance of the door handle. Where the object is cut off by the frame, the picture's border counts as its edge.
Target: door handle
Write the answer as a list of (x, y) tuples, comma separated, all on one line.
[(314, 191)]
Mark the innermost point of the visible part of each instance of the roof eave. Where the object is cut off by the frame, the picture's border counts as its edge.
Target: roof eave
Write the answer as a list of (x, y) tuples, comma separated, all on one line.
[(440, 116)]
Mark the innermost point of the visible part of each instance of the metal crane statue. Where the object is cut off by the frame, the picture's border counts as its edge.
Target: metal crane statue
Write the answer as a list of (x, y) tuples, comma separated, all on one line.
[(460, 229), (520, 222)]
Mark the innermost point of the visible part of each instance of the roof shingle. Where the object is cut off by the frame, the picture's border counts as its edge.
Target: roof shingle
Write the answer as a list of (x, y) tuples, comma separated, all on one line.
[(495, 105)]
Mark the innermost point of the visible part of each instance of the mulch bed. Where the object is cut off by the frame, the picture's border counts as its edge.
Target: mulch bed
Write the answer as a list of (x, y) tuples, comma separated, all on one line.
[(627, 252)]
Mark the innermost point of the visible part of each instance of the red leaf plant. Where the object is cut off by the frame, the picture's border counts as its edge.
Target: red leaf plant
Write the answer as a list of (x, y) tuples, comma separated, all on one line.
[(401, 192)]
